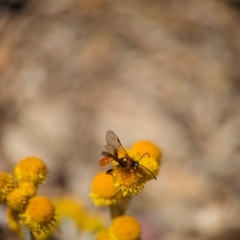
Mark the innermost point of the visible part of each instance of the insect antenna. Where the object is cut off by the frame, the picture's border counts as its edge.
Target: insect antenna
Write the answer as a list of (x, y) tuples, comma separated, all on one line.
[(143, 156), (146, 167)]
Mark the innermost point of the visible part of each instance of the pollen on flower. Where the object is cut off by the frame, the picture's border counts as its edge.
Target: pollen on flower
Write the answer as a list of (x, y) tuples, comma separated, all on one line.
[(6, 185), (16, 199), (103, 193), (144, 146), (31, 169), (39, 215), (125, 228), (129, 182)]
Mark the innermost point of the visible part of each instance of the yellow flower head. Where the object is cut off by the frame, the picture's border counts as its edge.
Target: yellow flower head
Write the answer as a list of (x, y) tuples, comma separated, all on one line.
[(102, 235), (39, 215), (72, 209), (29, 189), (44, 235), (90, 223), (130, 175), (103, 193), (128, 181), (148, 155), (6, 185), (68, 208), (31, 169), (150, 166), (13, 223), (16, 199), (125, 228), (144, 146)]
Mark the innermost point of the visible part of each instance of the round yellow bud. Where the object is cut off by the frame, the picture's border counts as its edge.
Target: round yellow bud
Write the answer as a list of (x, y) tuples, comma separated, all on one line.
[(6, 185), (125, 228), (144, 146), (103, 193), (31, 169), (39, 215)]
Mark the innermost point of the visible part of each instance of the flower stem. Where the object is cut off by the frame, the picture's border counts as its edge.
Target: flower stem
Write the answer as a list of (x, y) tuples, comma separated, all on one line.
[(125, 202), (120, 208), (27, 234)]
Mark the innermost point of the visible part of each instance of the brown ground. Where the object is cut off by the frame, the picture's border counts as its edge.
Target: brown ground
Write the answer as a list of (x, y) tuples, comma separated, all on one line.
[(166, 71)]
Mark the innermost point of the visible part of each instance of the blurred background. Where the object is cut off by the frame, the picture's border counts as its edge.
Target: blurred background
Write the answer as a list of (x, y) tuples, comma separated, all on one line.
[(166, 71)]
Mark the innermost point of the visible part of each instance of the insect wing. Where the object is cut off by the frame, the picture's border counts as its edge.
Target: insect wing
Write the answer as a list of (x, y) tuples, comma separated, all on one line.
[(114, 145), (111, 150)]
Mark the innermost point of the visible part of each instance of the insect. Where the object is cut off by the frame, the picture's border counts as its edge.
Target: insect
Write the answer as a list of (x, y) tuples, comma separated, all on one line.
[(115, 151)]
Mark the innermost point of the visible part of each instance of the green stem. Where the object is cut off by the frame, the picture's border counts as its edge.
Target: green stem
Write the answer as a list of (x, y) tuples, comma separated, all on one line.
[(120, 208), (115, 211), (27, 233), (125, 202)]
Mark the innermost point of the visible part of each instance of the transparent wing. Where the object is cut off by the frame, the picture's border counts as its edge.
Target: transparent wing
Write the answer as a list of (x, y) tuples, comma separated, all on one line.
[(114, 145)]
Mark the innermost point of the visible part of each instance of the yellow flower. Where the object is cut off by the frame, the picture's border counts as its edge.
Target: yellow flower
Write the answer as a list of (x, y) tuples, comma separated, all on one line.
[(131, 178), (39, 215), (149, 156), (43, 235), (72, 209), (144, 146), (150, 166), (67, 207), (13, 221), (31, 169), (102, 235), (16, 199), (128, 181), (6, 185), (103, 193), (125, 228), (90, 223), (130, 173), (29, 189)]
